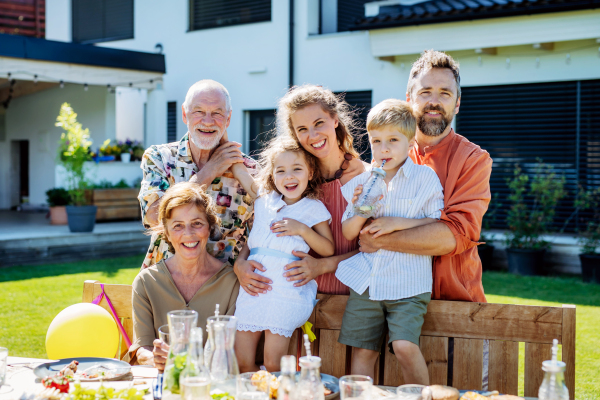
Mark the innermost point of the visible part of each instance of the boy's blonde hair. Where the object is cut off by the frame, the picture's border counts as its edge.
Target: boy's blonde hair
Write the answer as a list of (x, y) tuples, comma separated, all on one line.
[(277, 146), (393, 112)]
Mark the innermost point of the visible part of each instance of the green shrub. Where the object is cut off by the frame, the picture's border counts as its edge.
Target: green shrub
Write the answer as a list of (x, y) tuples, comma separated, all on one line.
[(58, 197)]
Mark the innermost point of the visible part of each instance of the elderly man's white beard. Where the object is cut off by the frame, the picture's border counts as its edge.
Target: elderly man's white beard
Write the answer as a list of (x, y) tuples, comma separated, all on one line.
[(206, 143)]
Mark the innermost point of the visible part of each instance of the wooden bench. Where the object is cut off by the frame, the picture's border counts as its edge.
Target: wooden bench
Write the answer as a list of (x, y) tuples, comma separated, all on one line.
[(116, 204), (448, 325)]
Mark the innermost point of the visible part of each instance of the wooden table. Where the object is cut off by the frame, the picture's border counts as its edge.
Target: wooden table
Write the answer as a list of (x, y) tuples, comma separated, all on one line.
[(21, 380)]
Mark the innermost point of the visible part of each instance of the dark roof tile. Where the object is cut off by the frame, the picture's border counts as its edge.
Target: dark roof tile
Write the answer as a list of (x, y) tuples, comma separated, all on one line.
[(439, 11)]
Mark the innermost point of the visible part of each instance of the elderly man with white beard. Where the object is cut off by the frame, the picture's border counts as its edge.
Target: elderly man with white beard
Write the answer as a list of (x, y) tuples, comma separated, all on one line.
[(204, 156)]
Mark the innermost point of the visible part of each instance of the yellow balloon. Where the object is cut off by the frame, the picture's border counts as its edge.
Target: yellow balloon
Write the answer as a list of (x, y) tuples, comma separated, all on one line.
[(82, 330)]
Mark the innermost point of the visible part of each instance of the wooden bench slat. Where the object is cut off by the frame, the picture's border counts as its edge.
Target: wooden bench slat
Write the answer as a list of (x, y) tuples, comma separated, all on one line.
[(332, 353), (568, 347), (435, 352), (503, 369), (329, 311), (468, 364), (493, 321), (115, 194), (535, 353)]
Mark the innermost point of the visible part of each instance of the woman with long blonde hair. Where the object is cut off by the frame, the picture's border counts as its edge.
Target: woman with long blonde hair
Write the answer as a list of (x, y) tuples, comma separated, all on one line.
[(321, 122)]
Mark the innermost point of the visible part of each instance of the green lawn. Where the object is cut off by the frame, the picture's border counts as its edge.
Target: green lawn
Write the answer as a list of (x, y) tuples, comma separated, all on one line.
[(30, 297)]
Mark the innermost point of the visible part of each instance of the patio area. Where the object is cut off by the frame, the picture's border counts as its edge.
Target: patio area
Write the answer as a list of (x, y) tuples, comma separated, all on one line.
[(29, 239)]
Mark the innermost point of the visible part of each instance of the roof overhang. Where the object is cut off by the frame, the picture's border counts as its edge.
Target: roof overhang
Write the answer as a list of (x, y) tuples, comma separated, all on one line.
[(26, 58), (500, 32)]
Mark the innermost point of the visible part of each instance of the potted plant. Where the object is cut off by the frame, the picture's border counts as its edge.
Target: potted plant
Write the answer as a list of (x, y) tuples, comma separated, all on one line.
[(486, 250), (107, 152), (58, 199), (137, 150), (125, 149), (530, 216), (73, 152), (589, 236)]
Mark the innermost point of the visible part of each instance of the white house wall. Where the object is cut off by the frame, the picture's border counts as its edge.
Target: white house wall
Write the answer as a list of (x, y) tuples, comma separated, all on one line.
[(235, 56), (33, 117)]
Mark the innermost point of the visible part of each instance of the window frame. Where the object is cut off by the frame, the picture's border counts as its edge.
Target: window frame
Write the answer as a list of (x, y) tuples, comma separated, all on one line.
[(104, 39), (191, 19)]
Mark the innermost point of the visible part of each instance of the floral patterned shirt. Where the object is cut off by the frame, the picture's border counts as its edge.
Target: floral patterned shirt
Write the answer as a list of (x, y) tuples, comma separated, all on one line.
[(167, 164)]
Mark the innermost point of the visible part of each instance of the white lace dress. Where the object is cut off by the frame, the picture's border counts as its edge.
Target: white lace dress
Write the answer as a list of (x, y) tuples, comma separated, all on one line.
[(285, 307)]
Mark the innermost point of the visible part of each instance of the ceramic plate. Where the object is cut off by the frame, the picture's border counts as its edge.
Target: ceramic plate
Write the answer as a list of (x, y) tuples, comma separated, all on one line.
[(115, 368)]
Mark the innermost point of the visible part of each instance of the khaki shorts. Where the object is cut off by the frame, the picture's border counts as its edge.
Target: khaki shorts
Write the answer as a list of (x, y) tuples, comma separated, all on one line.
[(364, 321)]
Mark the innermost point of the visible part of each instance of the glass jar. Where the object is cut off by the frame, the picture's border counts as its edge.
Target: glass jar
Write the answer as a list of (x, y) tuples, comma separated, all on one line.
[(370, 200), (180, 326), (310, 386), (553, 386)]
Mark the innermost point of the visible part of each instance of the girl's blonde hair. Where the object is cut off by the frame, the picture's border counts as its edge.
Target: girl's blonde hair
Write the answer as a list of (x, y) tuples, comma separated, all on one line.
[(280, 145), (299, 97), (182, 194)]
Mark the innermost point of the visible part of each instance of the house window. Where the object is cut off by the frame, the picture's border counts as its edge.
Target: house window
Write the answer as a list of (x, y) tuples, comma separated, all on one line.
[(361, 103), (262, 128), (206, 14), (102, 20), (172, 121), (340, 15), (556, 122)]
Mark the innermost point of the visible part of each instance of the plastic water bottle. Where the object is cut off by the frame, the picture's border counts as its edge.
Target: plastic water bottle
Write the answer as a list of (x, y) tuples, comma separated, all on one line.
[(374, 191)]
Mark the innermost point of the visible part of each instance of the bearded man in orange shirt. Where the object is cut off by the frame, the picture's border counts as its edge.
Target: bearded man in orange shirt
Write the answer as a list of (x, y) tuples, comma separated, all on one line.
[(464, 170)]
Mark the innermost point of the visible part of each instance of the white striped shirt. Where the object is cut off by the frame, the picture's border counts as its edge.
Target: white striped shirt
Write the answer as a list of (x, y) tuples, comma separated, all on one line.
[(415, 192)]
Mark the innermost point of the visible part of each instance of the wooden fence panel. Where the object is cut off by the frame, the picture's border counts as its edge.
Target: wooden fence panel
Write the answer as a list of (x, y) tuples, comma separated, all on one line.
[(435, 352), (332, 353)]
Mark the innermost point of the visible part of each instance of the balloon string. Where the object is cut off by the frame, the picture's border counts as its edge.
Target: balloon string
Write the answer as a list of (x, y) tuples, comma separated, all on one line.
[(97, 301)]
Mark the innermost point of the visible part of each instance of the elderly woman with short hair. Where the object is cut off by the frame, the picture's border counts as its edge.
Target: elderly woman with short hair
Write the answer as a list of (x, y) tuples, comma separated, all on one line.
[(191, 279)]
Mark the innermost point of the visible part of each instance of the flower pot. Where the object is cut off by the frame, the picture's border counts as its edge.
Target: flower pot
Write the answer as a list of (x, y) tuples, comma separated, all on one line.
[(526, 262), (81, 218), (486, 254), (590, 267), (58, 215), (125, 157)]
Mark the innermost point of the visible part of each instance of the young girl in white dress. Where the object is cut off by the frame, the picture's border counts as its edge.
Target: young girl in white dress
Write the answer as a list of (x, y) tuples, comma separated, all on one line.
[(287, 217)]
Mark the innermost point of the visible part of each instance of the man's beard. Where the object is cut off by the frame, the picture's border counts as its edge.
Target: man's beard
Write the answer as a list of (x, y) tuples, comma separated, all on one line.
[(205, 143), (435, 126)]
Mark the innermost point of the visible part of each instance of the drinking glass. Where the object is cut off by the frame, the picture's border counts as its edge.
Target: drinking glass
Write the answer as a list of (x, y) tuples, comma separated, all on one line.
[(409, 392), (3, 360), (252, 389), (355, 387), (163, 333), (195, 388)]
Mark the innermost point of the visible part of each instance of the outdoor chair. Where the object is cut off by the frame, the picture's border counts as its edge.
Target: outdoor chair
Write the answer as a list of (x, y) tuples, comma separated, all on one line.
[(462, 326)]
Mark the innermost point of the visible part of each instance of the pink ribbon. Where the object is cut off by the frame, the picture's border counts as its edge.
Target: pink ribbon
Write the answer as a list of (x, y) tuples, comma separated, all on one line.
[(97, 301)]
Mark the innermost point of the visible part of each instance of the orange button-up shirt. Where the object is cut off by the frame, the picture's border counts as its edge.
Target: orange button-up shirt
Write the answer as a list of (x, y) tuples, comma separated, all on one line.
[(464, 170)]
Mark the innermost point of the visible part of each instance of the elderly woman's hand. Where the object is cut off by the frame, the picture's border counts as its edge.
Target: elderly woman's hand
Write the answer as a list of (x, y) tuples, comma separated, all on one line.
[(253, 283), (160, 353)]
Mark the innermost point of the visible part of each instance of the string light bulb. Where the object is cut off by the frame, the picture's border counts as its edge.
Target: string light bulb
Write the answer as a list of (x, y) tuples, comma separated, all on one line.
[(62, 84), (568, 58), (537, 62), (479, 61), (108, 88), (507, 63), (35, 79), (85, 87)]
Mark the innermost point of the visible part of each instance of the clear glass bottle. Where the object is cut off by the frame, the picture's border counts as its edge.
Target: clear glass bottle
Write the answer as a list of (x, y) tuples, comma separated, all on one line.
[(208, 349), (310, 386), (194, 380), (286, 383), (553, 386), (180, 325), (222, 364), (371, 198)]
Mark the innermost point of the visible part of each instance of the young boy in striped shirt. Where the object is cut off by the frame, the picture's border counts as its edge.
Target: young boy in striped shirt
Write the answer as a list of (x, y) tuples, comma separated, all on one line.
[(387, 287)]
